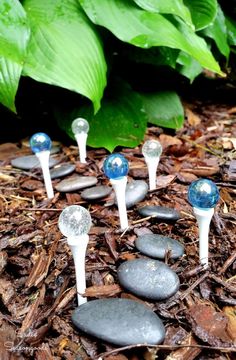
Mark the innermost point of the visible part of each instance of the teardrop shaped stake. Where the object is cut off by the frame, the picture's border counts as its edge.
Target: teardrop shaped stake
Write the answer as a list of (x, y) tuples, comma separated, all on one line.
[(80, 129), (41, 144)]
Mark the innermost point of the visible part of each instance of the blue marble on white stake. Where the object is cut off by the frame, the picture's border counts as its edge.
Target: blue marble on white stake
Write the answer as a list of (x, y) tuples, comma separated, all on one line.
[(203, 194), (115, 166), (40, 142)]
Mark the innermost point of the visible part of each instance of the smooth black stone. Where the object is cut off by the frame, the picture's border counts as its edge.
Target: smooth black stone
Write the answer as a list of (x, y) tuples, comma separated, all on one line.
[(30, 162), (75, 182), (156, 246), (62, 170), (151, 279), (160, 212), (96, 192), (119, 321), (135, 192)]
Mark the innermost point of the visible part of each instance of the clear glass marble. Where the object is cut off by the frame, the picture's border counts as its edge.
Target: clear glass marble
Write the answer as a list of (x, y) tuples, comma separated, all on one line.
[(115, 166), (152, 148), (74, 221), (203, 194), (80, 126), (40, 142)]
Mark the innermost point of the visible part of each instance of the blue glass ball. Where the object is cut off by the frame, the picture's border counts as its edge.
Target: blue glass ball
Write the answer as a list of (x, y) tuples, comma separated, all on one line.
[(115, 166), (203, 194), (40, 142)]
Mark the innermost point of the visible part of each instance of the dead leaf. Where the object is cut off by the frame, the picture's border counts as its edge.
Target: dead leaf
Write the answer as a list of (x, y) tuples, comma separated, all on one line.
[(163, 181), (203, 170), (193, 119), (185, 353), (230, 312), (186, 177), (167, 140)]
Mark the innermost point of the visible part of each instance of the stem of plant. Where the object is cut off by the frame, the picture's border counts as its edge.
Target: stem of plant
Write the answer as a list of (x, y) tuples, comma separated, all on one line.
[(203, 217), (78, 246), (43, 157), (119, 186), (81, 141)]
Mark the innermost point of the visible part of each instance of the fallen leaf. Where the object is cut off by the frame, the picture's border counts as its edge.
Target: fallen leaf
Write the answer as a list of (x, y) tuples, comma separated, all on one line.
[(203, 170), (167, 140), (185, 353), (102, 290), (163, 181), (192, 119), (230, 312)]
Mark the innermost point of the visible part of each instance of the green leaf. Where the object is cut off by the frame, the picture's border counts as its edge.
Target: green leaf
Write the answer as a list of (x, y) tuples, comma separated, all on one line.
[(120, 121), (65, 50), (203, 12), (231, 30), (145, 29), (174, 7), (218, 32), (14, 36), (190, 68), (164, 109)]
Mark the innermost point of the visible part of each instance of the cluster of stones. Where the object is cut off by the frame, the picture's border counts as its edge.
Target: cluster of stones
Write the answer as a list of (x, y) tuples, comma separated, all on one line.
[(121, 321)]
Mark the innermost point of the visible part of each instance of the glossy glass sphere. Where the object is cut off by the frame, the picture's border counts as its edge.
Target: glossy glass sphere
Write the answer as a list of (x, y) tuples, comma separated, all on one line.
[(152, 148), (74, 221), (203, 194), (40, 142), (115, 166), (80, 126)]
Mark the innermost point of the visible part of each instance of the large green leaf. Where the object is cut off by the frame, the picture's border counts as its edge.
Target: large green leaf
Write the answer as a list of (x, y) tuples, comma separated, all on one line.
[(231, 30), (145, 29), (203, 12), (14, 36), (218, 32), (174, 7), (120, 121), (164, 108), (190, 68), (65, 49)]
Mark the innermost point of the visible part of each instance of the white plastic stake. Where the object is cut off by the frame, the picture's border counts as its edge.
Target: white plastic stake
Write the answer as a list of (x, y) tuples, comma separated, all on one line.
[(119, 186), (81, 139), (152, 164), (78, 246), (43, 157), (203, 217)]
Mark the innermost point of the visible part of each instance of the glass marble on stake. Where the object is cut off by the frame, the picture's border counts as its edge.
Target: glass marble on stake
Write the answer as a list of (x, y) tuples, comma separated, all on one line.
[(40, 144), (80, 129), (203, 195), (116, 168), (74, 223), (152, 151)]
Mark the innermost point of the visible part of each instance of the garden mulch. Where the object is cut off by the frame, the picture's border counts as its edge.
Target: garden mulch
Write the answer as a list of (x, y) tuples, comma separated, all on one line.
[(37, 278)]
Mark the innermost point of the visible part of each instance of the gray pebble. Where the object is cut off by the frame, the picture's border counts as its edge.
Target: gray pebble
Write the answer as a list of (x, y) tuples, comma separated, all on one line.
[(30, 162), (62, 170), (75, 182), (160, 212), (156, 246), (96, 192), (119, 321), (135, 192), (151, 279)]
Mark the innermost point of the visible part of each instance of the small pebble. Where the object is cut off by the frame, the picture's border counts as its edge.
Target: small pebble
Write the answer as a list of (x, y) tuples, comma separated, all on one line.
[(30, 162), (157, 246), (119, 321), (75, 182), (135, 192), (150, 279), (62, 170), (96, 192), (160, 212)]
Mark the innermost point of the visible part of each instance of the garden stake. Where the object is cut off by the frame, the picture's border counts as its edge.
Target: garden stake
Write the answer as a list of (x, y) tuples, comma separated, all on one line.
[(40, 144), (116, 168), (74, 222), (203, 195), (152, 150), (80, 128)]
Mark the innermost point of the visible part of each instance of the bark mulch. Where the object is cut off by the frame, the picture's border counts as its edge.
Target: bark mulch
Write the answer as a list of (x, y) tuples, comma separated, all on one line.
[(37, 283)]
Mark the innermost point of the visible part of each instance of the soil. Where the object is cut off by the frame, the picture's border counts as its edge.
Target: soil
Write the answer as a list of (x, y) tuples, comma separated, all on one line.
[(37, 284)]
